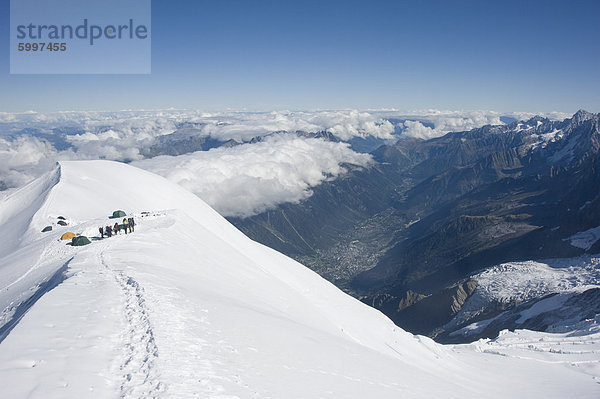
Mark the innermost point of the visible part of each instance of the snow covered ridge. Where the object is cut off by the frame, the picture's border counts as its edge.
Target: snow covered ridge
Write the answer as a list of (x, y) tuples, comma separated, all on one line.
[(187, 306)]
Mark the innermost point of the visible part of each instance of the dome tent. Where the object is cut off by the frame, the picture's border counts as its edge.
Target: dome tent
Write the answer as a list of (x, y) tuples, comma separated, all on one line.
[(118, 214), (79, 241), (61, 218), (47, 228), (62, 223), (67, 236)]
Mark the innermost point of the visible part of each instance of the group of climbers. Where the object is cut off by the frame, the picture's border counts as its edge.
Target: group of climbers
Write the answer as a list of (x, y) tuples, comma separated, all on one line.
[(128, 225)]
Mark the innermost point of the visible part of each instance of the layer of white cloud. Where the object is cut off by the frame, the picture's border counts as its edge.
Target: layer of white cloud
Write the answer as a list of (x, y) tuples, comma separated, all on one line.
[(242, 126), (251, 178), (257, 176), (427, 124), (23, 159), (238, 181), (141, 127), (417, 130)]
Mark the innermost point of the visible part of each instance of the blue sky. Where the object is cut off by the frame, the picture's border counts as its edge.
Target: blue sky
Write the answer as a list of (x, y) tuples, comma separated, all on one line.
[(262, 55)]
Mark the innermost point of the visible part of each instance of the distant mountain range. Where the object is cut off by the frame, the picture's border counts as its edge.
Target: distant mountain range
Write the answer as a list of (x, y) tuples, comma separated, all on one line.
[(407, 235)]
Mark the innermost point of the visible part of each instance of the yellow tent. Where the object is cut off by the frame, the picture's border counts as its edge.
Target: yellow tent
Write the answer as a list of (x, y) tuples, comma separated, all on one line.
[(67, 236)]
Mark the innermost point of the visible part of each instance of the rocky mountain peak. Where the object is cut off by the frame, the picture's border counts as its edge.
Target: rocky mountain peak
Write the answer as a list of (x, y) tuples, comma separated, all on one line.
[(582, 116)]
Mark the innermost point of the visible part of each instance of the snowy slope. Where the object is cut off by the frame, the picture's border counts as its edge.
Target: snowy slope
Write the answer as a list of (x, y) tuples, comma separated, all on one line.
[(187, 306)]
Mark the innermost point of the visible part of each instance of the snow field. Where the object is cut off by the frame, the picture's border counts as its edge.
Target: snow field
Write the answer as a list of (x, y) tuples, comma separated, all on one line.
[(188, 307)]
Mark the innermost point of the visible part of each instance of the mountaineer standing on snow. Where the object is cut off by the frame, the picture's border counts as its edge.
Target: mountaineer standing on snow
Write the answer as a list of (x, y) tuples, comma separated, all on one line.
[(108, 231), (101, 230), (125, 224), (116, 228)]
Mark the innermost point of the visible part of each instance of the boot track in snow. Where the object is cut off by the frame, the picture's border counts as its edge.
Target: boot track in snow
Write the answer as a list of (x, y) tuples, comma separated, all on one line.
[(140, 350)]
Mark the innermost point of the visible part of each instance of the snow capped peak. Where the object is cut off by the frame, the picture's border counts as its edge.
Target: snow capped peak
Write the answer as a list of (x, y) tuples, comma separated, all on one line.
[(537, 120), (564, 142)]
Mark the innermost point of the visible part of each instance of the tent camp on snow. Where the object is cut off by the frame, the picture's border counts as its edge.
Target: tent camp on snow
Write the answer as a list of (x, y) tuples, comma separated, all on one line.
[(78, 241), (67, 236), (117, 214)]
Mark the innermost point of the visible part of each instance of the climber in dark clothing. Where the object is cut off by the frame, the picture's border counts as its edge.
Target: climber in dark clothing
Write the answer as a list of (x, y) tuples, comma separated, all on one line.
[(116, 228), (108, 231), (101, 230)]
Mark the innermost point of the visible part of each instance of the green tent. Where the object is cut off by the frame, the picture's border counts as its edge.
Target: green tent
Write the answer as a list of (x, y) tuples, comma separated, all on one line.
[(79, 241), (61, 218), (47, 228), (118, 214)]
